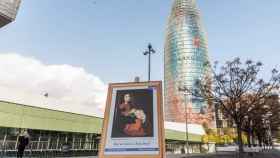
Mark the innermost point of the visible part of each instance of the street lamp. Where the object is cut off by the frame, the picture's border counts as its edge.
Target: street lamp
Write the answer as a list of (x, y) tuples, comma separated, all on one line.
[(266, 126), (266, 120), (149, 52), (184, 89), (186, 92)]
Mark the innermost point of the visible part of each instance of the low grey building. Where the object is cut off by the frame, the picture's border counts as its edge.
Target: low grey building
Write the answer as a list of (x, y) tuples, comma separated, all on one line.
[(8, 11)]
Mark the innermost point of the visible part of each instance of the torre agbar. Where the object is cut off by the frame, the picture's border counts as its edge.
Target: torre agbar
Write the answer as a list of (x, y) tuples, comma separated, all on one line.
[(185, 55)]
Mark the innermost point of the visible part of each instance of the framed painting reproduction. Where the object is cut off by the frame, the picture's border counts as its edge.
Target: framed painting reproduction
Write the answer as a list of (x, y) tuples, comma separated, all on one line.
[(133, 121)]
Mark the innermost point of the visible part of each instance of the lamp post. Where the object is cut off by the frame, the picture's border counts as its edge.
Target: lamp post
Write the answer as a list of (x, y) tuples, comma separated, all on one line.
[(266, 121), (268, 127), (184, 90), (149, 52)]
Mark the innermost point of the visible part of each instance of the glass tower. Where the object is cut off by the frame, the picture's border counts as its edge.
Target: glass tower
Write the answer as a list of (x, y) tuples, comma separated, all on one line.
[(8, 11), (185, 55)]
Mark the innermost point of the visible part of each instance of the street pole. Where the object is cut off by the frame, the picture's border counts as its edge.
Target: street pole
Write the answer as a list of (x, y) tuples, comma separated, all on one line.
[(149, 68), (184, 90), (149, 52), (187, 128)]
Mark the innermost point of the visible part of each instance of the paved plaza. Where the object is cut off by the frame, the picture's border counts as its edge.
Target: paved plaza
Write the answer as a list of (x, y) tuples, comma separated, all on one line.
[(266, 154)]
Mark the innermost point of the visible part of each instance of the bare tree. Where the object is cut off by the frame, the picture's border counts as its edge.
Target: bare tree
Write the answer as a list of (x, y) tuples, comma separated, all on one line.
[(254, 124), (237, 89), (263, 121)]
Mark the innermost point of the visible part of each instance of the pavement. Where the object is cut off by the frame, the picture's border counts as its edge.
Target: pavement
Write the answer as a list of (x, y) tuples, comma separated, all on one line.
[(265, 154)]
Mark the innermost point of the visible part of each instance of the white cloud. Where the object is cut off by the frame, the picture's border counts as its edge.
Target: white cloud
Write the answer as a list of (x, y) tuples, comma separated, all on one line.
[(25, 80)]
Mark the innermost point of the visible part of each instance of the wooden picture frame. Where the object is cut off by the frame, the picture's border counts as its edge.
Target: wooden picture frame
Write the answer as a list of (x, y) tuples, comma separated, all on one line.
[(148, 145)]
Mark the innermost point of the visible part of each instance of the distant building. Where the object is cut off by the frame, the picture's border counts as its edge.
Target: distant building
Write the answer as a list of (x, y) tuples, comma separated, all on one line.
[(221, 120), (8, 11), (185, 58)]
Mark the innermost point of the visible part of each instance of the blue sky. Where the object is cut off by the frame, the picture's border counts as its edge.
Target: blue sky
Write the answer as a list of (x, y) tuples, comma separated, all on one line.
[(107, 38)]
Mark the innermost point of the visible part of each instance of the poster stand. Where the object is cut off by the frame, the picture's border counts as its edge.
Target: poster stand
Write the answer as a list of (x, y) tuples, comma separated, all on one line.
[(133, 125)]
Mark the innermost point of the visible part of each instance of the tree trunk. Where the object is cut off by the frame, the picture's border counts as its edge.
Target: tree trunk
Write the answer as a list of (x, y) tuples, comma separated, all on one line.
[(260, 140), (240, 142), (249, 139), (253, 139)]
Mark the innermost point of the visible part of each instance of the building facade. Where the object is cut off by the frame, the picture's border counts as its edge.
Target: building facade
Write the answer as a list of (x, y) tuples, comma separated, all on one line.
[(57, 133), (185, 58), (8, 11)]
